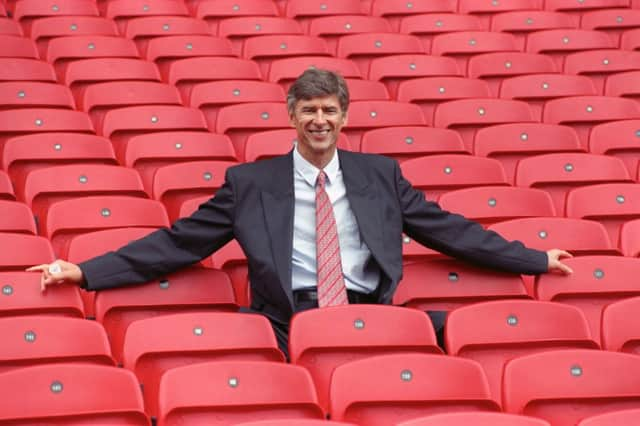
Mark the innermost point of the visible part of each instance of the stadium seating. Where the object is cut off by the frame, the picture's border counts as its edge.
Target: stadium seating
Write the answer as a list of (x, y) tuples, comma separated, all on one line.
[(28, 11), (623, 146), (17, 47), (512, 328), (62, 50), (16, 217), (491, 204), (630, 40), (9, 26), (610, 204), (462, 45), (570, 7), (25, 69), (388, 389), (6, 187), (428, 25), (295, 422), (559, 43), (215, 11), (486, 11), (267, 48), (15, 122), (623, 84), (629, 238), (437, 174), (620, 327), (236, 30), (475, 418), (598, 64), (429, 92), (143, 29), (396, 10), (406, 142), (268, 144), (367, 90), (72, 393), (44, 29), (560, 172), (613, 418), (451, 284), (121, 11), (42, 339), (596, 282), (26, 251), (613, 21), (305, 10), (23, 94), (469, 115), (521, 23), (331, 28), (189, 338), (285, 71), (176, 183), (228, 392), (322, 339), (80, 73), (23, 295), (564, 387)]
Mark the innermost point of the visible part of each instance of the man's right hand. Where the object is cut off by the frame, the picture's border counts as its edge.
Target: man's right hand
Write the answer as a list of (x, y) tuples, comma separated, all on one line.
[(58, 272)]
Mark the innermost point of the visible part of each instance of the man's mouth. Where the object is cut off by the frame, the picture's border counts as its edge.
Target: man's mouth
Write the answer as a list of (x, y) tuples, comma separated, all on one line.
[(319, 132)]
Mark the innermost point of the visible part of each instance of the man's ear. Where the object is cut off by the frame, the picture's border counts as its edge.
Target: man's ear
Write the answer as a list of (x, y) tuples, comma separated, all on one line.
[(345, 118), (292, 119)]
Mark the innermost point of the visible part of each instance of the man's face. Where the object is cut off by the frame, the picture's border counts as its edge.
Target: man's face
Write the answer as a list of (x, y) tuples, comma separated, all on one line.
[(318, 122)]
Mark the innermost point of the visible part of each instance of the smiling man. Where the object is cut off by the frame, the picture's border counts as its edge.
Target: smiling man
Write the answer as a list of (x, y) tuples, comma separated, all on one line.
[(319, 226)]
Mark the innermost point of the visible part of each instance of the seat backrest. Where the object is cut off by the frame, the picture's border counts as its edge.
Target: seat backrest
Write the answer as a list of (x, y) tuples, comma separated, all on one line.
[(629, 238), (613, 418), (24, 69), (35, 94), (624, 146), (426, 26), (224, 392), (322, 339), (566, 386), (72, 393), (461, 45), (388, 389), (26, 251), (215, 11), (598, 64), (558, 43), (620, 326), (331, 28), (494, 332), (188, 338), (44, 29), (16, 217), (477, 419)]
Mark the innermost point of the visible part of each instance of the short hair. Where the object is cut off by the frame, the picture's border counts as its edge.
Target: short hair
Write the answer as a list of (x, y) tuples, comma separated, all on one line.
[(314, 83)]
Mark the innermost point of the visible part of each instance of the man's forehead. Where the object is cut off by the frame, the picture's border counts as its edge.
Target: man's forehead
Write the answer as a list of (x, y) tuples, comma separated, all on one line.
[(328, 100)]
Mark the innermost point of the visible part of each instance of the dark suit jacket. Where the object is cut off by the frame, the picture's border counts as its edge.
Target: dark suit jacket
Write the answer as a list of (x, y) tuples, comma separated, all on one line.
[(255, 206)]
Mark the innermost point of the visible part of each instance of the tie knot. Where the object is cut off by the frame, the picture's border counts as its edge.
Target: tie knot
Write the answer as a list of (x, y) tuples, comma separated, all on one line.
[(322, 178)]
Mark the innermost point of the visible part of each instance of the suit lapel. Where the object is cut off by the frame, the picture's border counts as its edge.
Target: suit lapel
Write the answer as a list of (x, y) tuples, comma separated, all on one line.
[(278, 204), (363, 200)]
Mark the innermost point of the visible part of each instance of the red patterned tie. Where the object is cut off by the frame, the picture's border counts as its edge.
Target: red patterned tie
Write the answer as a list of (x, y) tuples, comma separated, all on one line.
[(331, 288)]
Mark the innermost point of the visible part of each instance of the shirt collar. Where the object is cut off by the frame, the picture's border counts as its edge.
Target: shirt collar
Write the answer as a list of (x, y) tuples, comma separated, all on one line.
[(310, 172)]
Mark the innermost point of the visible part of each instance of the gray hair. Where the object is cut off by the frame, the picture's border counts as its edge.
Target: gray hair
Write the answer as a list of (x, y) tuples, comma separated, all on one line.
[(314, 83)]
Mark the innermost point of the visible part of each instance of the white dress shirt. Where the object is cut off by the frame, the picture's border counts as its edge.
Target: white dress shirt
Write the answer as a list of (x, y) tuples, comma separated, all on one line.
[(361, 272)]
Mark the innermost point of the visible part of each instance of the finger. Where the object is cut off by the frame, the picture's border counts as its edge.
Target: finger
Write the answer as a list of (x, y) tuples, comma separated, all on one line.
[(565, 255), (41, 268), (564, 268)]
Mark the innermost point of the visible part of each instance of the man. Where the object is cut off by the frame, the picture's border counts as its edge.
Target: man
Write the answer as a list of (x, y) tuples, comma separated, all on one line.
[(353, 206)]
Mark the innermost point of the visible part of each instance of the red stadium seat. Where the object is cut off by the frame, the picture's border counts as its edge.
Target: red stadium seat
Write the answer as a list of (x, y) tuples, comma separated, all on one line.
[(610, 204), (395, 10), (624, 84), (444, 285), (438, 174), (368, 115), (513, 328), (429, 92), (388, 389), (488, 10), (230, 258), (176, 183), (63, 50), (285, 71), (6, 187), (16, 122), (568, 6), (510, 143), (210, 97), (268, 144), (184, 73), (121, 11), (266, 49), (226, 392), (623, 146), (392, 70), (27, 94), (497, 66), (305, 10), (491, 204), (560, 172), (620, 326), (166, 50), (406, 142), (559, 43), (25, 11), (69, 218), (364, 47), (613, 21), (469, 115), (295, 422), (72, 393), (599, 64), (429, 25), (596, 282), (44, 29), (366, 90), (463, 45), (477, 419), (322, 339), (238, 29), (26, 251), (24, 296), (241, 120), (42, 339), (578, 236), (147, 153), (629, 238), (331, 28), (143, 29), (536, 89), (17, 47), (215, 11), (522, 23), (9, 26), (16, 217), (23, 69), (564, 387), (630, 40), (583, 112), (613, 418), (190, 338)]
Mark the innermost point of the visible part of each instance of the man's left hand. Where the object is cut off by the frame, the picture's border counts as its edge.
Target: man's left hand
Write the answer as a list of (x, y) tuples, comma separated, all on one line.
[(555, 265)]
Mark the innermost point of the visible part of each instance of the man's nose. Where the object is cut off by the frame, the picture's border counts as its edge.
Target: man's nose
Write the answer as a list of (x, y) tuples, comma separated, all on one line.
[(319, 116)]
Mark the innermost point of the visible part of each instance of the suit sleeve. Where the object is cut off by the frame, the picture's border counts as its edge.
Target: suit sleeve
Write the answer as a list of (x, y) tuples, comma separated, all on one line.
[(166, 250), (456, 236)]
